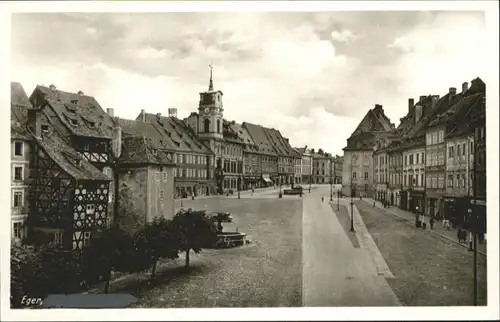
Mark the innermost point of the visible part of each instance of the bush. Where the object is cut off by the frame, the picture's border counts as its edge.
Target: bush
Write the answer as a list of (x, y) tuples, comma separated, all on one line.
[(40, 272)]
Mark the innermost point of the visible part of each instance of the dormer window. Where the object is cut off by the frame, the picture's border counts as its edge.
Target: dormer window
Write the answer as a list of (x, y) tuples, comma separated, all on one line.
[(154, 152), (45, 128), (74, 122), (74, 101)]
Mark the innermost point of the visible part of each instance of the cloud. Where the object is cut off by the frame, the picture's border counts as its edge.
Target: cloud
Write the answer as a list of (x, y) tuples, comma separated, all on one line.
[(313, 76), (343, 36)]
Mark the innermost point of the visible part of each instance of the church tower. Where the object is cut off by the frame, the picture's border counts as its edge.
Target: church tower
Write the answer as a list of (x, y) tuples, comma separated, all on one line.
[(210, 111)]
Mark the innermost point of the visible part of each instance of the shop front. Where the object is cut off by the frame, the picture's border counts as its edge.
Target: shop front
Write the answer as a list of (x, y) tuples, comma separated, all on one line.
[(266, 180), (416, 201), (404, 200)]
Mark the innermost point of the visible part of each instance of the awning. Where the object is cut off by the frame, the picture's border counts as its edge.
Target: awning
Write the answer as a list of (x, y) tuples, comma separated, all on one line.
[(266, 178)]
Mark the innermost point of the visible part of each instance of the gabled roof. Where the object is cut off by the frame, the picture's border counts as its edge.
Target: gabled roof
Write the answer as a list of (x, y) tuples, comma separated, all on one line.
[(244, 136), (19, 103), (259, 136), (18, 96), (230, 132), (177, 134), (280, 145), (134, 128), (81, 114), (67, 158), (142, 150), (374, 123)]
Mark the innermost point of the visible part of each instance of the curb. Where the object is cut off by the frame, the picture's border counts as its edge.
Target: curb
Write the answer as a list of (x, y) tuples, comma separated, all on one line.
[(431, 231)]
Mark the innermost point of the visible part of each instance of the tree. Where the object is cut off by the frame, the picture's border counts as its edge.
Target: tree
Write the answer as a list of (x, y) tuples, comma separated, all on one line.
[(193, 230), (111, 250), (156, 241)]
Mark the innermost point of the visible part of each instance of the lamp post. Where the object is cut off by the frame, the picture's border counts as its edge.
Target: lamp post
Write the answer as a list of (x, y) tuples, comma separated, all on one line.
[(338, 200), (280, 195), (352, 191), (239, 185)]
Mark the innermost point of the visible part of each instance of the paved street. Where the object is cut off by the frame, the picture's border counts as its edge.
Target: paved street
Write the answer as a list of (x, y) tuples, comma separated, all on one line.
[(334, 272), (428, 269), (438, 228)]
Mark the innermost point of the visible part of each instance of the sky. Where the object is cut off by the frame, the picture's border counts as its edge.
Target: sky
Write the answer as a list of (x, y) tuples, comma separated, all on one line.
[(313, 76)]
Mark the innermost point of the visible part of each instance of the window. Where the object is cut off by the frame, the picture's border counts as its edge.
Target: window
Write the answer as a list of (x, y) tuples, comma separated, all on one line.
[(18, 148), (463, 148), (58, 237), (421, 179), (458, 181), (441, 181), (164, 176), (472, 148), (450, 152), (17, 228), (86, 238), (157, 176), (458, 150), (366, 175), (162, 194), (18, 173), (90, 209), (175, 158), (154, 151), (18, 199), (411, 159), (423, 158), (206, 125), (218, 126), (418, 159), (406, 182), (45, 128), (406, 159), (441, 136), (354, 175), (450, 181)]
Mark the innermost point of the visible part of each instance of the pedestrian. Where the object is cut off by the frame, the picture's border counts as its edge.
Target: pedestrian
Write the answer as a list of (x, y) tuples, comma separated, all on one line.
[(373, 203), (322, 199), (432, 222)]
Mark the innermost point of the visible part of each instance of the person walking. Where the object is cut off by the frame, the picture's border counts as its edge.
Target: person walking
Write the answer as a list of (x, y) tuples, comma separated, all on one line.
[(432, 222)]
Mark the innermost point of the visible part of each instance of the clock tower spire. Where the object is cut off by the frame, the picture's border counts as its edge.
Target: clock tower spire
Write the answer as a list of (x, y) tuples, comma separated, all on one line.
[(210, 111), (211, 84)]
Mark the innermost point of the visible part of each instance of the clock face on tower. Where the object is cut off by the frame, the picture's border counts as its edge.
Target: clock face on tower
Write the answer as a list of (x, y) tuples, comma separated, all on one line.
[(207, 110)]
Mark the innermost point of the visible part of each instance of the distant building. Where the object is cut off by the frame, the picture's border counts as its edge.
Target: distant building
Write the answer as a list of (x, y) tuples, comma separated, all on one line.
[(322, 170), (195, 171), (357, 175), (338, 162)]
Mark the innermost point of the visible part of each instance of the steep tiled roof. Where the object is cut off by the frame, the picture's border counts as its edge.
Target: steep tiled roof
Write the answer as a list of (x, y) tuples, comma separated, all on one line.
[(301, 150), (133, 128), (243, 136), (230, 132), (69, 159), (81, 114), (19, 103), (260, 138), (280, 144), (18, 96), (142, 150), (373, 124), (177, 134)]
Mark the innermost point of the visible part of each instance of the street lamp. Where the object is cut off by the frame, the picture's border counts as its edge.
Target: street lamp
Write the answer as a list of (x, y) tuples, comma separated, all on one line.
[(280, 195), (352, 191), (338, 200), (239, 185)]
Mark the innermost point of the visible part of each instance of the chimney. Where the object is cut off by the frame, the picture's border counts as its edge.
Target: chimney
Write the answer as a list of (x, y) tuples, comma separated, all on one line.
[(435, 99), (172, 112), (465, 87), (111, 112), (52, 87), (422, 98), (117, 139), (34, 124), (80, 93), (143, 115), (452, 92), (158, 115), (411, 102)]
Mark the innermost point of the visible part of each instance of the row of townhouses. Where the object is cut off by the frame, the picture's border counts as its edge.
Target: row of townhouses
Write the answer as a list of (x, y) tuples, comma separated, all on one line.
[(77, 168), (433, 163)]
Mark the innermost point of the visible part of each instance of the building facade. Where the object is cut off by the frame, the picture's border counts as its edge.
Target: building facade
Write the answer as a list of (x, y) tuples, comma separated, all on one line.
[(358, 168), (338, 162), (322, 169), (20, 161)]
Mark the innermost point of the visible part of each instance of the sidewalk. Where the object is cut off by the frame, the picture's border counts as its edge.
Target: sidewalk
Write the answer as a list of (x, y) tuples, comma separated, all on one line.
[(438, 229)]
